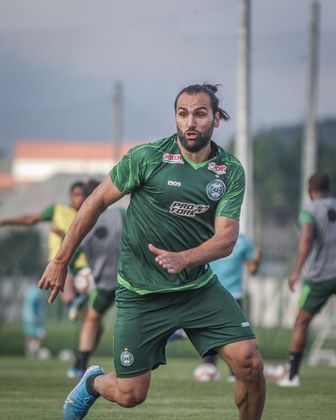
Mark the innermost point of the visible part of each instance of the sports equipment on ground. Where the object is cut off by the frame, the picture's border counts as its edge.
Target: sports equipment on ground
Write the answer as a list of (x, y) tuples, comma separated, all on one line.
[(79, 401), (66, 355), (206, 372), (43, 353), (276, 372), (285, 382)]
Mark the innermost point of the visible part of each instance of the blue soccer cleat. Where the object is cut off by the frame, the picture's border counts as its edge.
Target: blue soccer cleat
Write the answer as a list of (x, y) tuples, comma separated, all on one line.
[(79, 401)]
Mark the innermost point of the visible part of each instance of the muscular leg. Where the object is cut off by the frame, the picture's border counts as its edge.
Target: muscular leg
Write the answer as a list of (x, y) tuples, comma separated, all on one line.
[(250, 389), (299, 341), (90, 334), (91, 330), (127, 392), (300, 332)]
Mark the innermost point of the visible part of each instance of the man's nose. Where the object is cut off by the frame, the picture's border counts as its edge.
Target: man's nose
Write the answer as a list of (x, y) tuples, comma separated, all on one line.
[(191, 121)]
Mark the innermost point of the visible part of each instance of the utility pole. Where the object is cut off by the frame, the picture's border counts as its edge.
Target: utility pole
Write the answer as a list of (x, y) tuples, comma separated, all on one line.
[(244, 149), (309, 149), (117, 118)]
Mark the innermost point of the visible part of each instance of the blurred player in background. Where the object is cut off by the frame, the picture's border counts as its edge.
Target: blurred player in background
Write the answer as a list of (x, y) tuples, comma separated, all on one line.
[(316, 263), (102, 249), (33, 320), (186, 195), (230, 272), (60, 216)]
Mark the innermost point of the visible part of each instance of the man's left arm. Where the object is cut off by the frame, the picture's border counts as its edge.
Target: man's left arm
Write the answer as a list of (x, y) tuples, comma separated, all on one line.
[(219, 246)]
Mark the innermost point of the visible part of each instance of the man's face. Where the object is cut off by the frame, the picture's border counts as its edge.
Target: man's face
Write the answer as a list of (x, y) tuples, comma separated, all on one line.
[(195, 121), (77, 197)]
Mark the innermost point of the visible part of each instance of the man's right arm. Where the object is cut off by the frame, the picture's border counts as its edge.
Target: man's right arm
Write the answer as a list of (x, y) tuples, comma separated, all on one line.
[(103, 196), (304, 248)]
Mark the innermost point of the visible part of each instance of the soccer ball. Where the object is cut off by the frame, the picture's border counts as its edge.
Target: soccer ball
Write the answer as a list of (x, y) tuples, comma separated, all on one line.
[(84, 281), (275, 373), (43, 353), (66, 355), (206, 372)]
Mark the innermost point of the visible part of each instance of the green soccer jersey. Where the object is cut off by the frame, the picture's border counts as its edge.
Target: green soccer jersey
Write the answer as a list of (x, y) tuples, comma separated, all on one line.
[(173, 205)]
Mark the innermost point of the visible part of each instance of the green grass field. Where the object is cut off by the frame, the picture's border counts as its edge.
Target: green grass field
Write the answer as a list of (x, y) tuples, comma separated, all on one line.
[(33, 389)]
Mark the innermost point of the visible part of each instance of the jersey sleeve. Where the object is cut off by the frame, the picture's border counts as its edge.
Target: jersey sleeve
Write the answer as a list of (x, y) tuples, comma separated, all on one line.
[(230, 204), (127, 175), (305, 217), (48, 213)]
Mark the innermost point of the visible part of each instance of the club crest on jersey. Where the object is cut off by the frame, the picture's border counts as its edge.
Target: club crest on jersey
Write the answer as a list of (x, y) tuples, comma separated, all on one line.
[(215, 189), (171, 158), (126, 358), (218, 169)]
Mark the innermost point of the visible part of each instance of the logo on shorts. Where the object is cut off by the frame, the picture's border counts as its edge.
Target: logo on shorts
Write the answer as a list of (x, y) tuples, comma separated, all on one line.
[(126, 358), (245, 324), (215, 189)]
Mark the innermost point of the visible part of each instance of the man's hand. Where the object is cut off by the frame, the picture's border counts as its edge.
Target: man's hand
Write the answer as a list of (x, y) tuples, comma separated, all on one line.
[(53, 278), (172, 262), (292, 280), (59, 232)]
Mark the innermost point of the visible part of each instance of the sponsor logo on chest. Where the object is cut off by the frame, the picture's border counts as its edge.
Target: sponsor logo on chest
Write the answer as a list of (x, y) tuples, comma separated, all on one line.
[(218, 169), (172, 158), (187, 209)]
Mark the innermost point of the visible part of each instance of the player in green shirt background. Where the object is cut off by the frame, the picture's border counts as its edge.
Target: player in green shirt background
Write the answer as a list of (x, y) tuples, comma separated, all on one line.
[(186, 194)]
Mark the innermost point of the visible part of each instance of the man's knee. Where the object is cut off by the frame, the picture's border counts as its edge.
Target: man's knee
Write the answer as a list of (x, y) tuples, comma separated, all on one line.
[(248, 365), (303, 319), (92, 316)]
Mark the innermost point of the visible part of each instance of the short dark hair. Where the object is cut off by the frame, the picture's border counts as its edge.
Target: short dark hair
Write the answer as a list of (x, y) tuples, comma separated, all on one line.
[(77, 184), (210, 90), (319, 181), (91, 185)]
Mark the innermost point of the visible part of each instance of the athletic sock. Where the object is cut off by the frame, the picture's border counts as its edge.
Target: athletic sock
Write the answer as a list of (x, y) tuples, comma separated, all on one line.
[(89, 386), (294, 362), (210, 359), (82, 360)]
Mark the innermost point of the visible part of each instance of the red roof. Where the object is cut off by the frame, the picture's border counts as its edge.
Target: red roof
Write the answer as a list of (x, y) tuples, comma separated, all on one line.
[(6, 181), (68, 150)]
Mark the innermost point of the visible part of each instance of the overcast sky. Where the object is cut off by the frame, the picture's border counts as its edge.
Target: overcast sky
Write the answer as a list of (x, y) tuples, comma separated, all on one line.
[(60, 59)]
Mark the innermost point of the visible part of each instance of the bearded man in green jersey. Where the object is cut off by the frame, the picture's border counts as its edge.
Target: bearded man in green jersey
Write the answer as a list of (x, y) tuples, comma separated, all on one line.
[(186, 195)]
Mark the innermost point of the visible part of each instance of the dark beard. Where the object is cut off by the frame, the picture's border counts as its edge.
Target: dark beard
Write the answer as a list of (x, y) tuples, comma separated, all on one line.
[(202, 140)]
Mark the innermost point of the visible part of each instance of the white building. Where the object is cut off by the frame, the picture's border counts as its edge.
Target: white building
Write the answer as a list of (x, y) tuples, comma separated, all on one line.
[(36, 161)]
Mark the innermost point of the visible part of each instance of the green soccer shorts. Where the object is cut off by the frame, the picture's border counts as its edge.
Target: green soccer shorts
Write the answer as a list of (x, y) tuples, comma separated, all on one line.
[(314, 295), (101, 300), (209, 315)]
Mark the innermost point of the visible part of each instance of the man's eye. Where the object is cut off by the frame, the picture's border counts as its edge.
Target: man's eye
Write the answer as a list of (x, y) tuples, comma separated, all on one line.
[(182, 114)]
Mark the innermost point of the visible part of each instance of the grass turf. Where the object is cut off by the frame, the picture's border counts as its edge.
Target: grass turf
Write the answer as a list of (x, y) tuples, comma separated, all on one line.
[(32, 389)]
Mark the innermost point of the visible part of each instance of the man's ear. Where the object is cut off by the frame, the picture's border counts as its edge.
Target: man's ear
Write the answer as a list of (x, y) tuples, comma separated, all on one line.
[(216, 120)]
